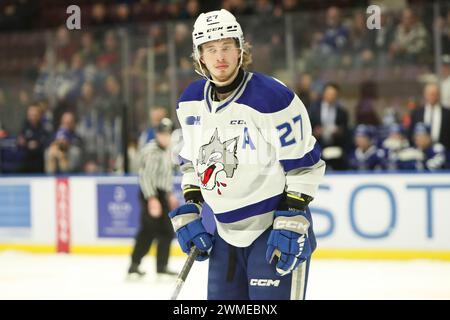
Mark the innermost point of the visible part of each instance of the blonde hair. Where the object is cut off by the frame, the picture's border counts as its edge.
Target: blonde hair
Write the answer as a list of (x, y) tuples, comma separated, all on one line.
[(246, 59)]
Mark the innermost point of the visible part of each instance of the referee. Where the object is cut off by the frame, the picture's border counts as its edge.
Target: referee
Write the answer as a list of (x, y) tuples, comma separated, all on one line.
[(155, 180)]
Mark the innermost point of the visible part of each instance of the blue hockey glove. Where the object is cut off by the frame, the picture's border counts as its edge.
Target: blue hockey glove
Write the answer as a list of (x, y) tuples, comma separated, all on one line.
[(190, 231), (289, 241)]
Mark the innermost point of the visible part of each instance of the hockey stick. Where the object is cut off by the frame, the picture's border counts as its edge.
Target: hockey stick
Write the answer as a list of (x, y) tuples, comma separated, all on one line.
[(184, 272)]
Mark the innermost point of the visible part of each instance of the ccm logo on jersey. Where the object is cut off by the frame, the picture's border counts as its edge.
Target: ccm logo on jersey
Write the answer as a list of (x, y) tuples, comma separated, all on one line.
[(192, 120), (237, 122), (264, 282)]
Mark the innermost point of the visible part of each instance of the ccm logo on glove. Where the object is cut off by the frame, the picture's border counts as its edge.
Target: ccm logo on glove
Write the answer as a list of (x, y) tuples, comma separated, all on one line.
[(297, 224)]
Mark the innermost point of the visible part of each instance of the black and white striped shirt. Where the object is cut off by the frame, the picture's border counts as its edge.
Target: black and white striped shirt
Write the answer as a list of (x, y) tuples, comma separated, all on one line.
[(155, 169)]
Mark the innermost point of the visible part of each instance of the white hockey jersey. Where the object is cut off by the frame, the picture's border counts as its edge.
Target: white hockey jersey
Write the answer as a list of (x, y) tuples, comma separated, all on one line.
[(245, 151)]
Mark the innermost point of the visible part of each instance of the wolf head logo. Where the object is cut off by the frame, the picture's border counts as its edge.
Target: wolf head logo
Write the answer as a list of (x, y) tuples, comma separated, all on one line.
[(216, 160)]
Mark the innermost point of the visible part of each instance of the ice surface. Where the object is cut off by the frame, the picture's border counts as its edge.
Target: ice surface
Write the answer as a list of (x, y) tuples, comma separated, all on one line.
[(61, 276)]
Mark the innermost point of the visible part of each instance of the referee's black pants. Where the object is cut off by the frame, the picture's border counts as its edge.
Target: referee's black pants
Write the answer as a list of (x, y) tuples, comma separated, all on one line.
[(154, 228)]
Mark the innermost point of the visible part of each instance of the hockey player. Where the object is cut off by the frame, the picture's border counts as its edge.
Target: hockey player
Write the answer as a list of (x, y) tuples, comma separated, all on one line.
[(396, 148), (431, 156), (249, 154), (366, 156)]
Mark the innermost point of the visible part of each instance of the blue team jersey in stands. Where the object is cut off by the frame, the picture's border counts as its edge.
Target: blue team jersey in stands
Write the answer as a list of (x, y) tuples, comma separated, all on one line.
[(371, 159)]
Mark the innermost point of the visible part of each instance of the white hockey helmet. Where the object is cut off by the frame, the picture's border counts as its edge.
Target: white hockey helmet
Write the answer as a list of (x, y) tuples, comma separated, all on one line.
[(216, 25)]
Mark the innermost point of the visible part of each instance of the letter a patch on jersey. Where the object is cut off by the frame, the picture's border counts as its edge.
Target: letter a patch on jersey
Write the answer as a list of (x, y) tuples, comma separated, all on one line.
[(217, 160), (247, 140)]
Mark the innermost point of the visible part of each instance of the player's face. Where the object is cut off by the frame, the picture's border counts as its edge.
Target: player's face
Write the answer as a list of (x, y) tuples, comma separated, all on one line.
[(422, 141), (221, 58), (362, 142)]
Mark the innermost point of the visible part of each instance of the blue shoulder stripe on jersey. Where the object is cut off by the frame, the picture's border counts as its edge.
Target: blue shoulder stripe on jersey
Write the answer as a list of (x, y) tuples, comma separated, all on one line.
[(251, 210), (308, 160), (265, 94), (194, 92)]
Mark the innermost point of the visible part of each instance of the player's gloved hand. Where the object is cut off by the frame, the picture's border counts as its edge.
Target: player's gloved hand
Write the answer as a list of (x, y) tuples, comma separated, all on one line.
[(190, 231), (289, 241)]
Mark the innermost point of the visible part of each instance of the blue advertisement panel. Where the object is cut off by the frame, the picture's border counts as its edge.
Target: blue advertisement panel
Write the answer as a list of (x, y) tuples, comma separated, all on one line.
[(15, 206), (118, 210)]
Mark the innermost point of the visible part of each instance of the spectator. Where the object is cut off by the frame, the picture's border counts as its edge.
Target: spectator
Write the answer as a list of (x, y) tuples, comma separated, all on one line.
[(122, 14), (46, 115), (13, 108), (99, 19), (63, 104), (380, 39), (112, 101), (237, 7), (366, 155), (329, 122), (304, 89), (17, 15), (365, 109), (410, 39), (290, 5), (112, 106), (182, 39), (173, 9), (91, 124), (110, 53), (33, 139), (359, 51), (445, 85), (443, 23), (434, 115), (75, 76), (64, 155), (156, 114), (191, 9), (89, 48), (19, 112), (160, 48), (65, 47), (133, 156), (333, 41), (263, 8), (88, 101), (430, 156), (91, 167)]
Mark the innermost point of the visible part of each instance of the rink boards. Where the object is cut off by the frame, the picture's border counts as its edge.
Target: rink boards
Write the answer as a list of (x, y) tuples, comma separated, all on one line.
[(360, 216)]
